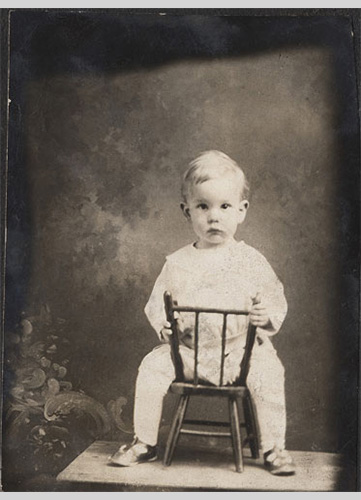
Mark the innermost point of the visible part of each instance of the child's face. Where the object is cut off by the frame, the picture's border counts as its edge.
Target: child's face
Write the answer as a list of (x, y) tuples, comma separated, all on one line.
[(215, 210)]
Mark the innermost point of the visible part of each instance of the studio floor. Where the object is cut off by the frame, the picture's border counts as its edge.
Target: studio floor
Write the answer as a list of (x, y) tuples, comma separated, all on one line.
[(197, 470)]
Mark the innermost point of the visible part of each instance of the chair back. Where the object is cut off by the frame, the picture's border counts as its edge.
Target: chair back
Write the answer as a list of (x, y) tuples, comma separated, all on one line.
[(172, 307)]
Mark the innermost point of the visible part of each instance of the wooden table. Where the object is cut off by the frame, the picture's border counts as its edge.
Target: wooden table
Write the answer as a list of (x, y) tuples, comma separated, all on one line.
[(199, 470)]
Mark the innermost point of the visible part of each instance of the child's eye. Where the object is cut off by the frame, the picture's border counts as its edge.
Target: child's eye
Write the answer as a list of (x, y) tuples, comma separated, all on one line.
[(225, 205), (202, 206)]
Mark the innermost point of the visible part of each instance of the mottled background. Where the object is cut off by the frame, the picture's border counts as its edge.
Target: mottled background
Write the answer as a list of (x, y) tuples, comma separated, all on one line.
[(108, 109)]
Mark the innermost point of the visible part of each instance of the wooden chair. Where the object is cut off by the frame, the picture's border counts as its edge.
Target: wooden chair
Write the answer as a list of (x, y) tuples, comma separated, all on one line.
[(185, 389)]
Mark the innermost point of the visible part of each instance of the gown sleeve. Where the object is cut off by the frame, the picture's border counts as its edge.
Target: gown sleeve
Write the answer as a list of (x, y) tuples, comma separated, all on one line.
[(273, 297), (154, 309)]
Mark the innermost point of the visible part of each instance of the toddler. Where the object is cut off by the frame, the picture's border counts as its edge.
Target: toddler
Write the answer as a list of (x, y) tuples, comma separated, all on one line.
[(219, 272)]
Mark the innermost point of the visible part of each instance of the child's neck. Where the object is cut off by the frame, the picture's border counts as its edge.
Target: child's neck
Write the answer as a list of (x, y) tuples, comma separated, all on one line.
[(200, 245)]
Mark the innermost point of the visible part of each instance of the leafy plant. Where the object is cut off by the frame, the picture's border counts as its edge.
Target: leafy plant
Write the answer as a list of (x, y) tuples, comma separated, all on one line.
[(47, 422)]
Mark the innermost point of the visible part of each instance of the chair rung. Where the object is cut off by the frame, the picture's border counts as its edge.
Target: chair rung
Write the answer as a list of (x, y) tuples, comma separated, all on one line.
[(206, 422), (210, 423), (205, 433)]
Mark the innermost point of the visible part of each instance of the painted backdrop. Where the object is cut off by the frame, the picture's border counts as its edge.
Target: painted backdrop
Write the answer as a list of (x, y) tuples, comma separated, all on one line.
[(107, 112)]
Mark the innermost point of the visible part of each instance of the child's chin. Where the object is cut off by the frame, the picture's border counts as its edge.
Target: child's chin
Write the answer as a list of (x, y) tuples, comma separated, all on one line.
[(215, 242)]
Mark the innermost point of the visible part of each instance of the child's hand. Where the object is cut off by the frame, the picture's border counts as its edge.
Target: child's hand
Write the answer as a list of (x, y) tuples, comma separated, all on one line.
[(166, 331), (258, 314)]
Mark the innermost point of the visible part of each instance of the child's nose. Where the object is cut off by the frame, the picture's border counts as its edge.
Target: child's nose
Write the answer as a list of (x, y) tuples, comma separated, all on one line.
[(213, 215)]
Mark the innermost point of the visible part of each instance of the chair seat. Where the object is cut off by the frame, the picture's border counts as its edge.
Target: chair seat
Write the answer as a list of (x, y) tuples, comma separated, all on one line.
[(189, 389)]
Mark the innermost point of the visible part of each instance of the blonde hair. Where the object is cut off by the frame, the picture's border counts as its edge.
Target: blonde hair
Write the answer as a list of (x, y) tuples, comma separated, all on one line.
[(212, 165)]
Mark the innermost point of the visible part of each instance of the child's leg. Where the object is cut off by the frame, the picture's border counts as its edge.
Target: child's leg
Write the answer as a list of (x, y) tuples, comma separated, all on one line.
[(156, 373), (266, 384)]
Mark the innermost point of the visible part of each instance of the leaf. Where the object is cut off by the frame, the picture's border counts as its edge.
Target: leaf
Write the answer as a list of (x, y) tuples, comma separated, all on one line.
[(26, 327), (52, 349), (62, 371), (33, 402), (53, 387), (65, 402), (35, 380), (37, 431), (115, 409), (17, 391), (37, 396), (65, 385), (51, 431), (45, 362), (16, 426), (35, 350), (35, 410), (59, 432), (19, 407)]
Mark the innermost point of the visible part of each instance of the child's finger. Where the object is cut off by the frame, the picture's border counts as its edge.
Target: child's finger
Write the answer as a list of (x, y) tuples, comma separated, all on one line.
[(257, 299), (166, 331), (260, 312), (166, 324), (258, 307), (254, 318), (259, 322), (260, 319)]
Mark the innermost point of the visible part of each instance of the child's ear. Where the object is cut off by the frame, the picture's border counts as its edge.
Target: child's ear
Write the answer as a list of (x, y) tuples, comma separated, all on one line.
[(185, 210), (243, 207)]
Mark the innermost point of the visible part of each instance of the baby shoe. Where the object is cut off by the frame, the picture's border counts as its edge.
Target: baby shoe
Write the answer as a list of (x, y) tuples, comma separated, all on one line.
[(279, 462), (133, 454)]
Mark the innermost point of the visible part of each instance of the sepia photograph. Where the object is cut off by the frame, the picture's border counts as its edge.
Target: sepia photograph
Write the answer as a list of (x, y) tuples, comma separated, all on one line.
[(180, 250)]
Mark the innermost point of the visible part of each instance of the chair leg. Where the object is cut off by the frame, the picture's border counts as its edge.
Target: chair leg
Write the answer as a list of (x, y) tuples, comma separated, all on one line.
[(236, 434), (250, 421), (175, 429)]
